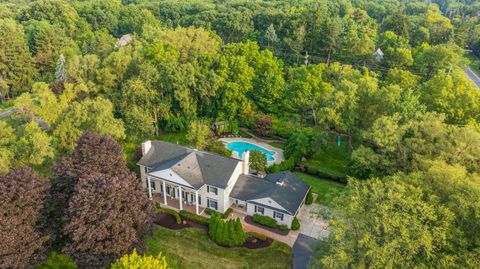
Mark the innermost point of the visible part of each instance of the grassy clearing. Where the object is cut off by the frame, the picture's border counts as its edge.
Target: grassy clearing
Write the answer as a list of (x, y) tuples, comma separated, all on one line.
[(191, 248), (325, 189), (329, 162), (277, 145)]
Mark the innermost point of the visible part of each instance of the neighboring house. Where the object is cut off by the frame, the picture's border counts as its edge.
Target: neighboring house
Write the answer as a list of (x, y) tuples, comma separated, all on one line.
[(193, 179), (378, 55)]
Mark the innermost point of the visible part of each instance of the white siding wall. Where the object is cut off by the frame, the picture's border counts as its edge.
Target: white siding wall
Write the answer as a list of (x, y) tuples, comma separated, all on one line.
[(231, 183), (287, 219)]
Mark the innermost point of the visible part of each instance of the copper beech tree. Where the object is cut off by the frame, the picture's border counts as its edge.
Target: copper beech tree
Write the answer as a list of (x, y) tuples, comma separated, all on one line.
[(22, 193), (106, 209)]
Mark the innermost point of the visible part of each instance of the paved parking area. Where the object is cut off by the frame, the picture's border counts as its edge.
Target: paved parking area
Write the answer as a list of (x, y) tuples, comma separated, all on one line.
[(302, 251), (310, 223)]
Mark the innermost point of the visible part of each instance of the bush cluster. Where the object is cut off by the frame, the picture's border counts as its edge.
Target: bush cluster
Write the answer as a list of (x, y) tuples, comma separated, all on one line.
[(286, 165), (226, 233), (194, 217), (256, 235), (264, 220), (169, 211), (295, 224), (225, 215), (283, 227), (309, 198)]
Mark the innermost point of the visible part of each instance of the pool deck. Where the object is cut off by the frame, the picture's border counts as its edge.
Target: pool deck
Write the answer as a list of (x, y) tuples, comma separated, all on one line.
[(278, 152)]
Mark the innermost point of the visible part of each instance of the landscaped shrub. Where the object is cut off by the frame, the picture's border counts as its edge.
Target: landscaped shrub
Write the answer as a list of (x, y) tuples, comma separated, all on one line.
[(226, 233), (227, 213), (194, 217), (286, 165), (58, 260), (256, 235), (209, 211), (263, 125), (283, 227), (309, 198), (295, 224), (172, 212), (264, 220)]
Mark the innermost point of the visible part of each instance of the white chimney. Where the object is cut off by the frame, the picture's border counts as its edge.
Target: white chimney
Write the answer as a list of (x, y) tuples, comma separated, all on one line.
[(146, 147), (246, 162)]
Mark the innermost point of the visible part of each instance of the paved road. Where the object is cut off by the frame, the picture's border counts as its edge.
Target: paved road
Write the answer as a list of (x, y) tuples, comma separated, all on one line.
[(6, 113), (473, 76), (302, 251)]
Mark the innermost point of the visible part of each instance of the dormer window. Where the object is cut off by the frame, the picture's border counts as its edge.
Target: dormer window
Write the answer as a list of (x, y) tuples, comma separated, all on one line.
[(211, 189)]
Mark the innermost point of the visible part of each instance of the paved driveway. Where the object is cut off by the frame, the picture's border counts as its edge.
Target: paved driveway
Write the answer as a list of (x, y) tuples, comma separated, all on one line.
[(302, 251), (310, 223), (473, 77)]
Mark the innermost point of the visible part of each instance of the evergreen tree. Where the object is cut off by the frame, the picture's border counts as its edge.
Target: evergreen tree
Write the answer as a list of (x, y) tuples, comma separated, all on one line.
[(60, 72), (271, 35)]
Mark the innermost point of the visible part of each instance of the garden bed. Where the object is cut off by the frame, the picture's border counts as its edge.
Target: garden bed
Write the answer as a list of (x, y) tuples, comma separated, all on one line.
[(248, 219), (254, 243), (168, 221)]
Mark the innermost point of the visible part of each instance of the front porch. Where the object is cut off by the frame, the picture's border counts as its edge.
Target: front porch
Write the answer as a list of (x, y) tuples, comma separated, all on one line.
[(174, 203)]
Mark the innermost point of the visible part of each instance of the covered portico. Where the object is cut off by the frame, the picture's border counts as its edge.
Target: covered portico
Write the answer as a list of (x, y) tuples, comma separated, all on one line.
[(174, 195)]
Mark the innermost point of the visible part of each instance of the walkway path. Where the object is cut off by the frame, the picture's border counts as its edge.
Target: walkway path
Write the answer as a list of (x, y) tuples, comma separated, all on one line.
[(288, 239), (473, 76)]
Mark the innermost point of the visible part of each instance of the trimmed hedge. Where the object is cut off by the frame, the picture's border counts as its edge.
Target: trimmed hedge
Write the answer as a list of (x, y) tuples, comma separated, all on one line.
[(264, 220), (295, 224), (194, 217), (227, 213), (256, 235), (309, 198), (283, 227), (169, 211), (286, 165)]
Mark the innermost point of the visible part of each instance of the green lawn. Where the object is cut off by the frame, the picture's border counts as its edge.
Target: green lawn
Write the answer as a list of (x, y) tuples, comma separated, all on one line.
[(325, 189), (191, 248), (329, 162), (277, 145)]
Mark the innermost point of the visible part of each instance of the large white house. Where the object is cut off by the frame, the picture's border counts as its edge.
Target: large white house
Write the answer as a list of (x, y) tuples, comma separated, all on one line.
[(182, 177)]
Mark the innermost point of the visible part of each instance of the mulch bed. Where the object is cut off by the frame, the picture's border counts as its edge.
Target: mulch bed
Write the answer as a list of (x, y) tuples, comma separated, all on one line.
[(168, 221), (249, 220), (253, 243)]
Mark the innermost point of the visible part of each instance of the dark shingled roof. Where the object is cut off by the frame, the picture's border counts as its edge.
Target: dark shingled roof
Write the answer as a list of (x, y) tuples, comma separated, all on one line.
[(196, 167), (290, 194)]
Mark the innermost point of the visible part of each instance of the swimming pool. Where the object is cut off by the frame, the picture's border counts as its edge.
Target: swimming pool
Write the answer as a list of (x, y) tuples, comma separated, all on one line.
[(241, 147)]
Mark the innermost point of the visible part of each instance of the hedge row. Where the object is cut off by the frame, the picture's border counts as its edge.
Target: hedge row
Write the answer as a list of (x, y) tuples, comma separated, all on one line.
[(226, 233), (256, 235), (225, 215), (169, 211), (194, 217), (264, 220)]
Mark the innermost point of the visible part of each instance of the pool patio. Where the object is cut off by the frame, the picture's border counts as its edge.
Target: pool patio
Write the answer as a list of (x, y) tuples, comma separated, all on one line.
[(278, 155)]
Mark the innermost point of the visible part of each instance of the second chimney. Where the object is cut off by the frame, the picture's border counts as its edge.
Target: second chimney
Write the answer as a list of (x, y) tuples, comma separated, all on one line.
[(146, 147), (246, 162)]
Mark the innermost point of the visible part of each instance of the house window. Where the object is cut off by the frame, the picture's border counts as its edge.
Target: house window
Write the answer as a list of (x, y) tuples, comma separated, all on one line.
[(153, 185), (259, 209), (277, 215), (211, 189), (212, 204)]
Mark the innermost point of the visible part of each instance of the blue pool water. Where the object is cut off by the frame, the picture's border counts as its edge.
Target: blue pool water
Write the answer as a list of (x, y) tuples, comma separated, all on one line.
[(241, 147)]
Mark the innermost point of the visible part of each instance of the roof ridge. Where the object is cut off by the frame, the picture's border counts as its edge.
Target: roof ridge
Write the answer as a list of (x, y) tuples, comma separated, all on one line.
[(201, 151)]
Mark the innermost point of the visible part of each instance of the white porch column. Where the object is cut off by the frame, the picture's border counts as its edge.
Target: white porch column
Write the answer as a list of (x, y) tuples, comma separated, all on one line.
[(149, 183), (164, 193), (180, 200), (196, 202)]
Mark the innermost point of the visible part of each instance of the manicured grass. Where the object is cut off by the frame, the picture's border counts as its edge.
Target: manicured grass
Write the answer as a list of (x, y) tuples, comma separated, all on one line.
[(177, 138), (325, 189), (277, 145), (329, 162), (191, 248)]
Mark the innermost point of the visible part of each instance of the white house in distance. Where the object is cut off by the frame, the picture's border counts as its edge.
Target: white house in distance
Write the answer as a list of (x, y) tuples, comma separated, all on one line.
[(185, 178)]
